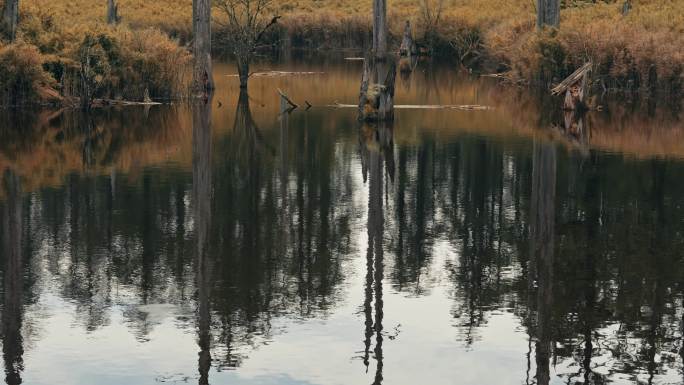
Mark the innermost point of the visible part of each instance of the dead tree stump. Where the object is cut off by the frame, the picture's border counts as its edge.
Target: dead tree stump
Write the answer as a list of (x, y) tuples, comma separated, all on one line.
[(112, 12), (408, 47), (575, 89), (376, 100), (10, 17)]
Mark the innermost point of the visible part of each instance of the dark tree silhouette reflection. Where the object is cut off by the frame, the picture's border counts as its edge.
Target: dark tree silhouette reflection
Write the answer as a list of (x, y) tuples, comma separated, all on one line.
[(13, 279), (261, 226), (542, 242), (201, 203), (377, 159)]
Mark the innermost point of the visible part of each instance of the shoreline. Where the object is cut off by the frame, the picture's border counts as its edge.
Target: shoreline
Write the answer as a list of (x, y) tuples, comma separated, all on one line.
[(632, 54)]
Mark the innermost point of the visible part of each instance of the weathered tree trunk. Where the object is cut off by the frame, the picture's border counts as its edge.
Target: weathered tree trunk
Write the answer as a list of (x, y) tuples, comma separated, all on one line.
[(574, 96), (376, 99), (380, 28), (112, 12), (243, 71), (408, 47), (202, 77), (10, 18), (548, 13)]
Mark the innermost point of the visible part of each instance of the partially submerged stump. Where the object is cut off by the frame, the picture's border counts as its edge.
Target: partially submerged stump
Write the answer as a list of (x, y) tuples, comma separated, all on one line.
[(376, 100), (146, 96), (575, 88), (408, 47)]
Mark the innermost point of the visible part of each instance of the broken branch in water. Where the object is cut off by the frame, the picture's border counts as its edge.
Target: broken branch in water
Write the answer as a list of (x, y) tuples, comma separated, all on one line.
[(571, 80), (575, 88), (287, 99), (462, 107)]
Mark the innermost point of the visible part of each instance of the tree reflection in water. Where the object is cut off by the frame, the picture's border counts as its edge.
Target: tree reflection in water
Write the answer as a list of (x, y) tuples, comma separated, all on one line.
[(12, 311), (202, 201), (376, 147), (585, 254), (542, 233)]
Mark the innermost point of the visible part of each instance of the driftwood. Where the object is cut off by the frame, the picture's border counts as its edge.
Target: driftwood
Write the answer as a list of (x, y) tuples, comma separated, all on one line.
[(117, 102), (286, 101), (574, 87), (277, 73), (462, 107)]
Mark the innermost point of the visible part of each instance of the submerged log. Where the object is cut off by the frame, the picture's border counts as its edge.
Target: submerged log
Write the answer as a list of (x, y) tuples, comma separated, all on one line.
[(376, 99), (574, 87)]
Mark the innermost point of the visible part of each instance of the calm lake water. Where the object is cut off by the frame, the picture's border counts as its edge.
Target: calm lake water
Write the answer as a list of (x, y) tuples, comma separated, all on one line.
[(227, 243)]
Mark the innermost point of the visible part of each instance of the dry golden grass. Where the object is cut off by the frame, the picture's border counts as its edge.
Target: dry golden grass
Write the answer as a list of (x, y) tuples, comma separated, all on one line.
[(639, 51), (45, 59)]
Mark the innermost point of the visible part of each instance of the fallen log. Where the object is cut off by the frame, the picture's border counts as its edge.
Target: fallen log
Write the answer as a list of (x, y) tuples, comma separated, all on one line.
[(462, 107), (117, 102), (574, 87), (278, 73)]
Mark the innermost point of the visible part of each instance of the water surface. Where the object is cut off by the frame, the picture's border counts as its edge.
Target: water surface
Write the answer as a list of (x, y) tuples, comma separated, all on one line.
[(229, 243)]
